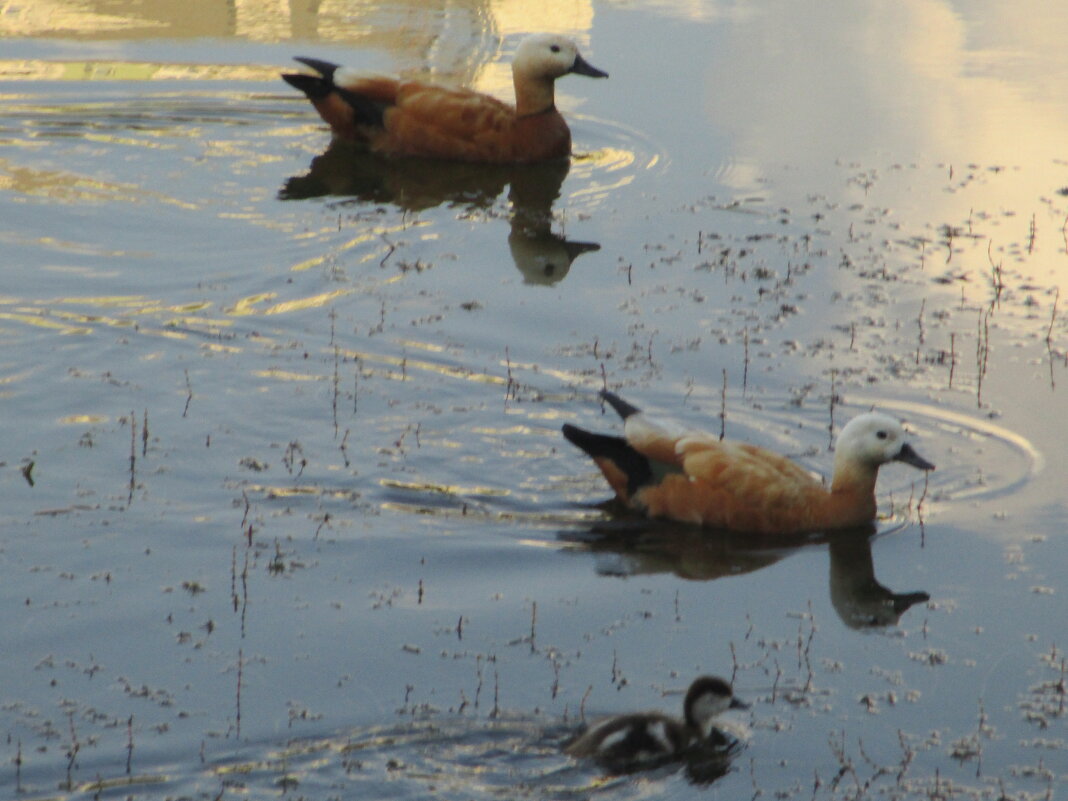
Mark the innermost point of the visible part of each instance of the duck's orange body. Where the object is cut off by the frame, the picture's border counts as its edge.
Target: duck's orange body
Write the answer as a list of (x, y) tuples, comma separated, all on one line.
[(424, 120), (397, 118), (694, 477)]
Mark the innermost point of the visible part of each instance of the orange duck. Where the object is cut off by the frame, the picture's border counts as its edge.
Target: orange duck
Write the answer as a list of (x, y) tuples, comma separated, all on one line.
[(412, 118), (693, 477)]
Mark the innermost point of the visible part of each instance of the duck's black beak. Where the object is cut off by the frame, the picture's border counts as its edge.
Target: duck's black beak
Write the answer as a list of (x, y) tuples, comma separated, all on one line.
[(910, 457), (737, 703), (583, 67)]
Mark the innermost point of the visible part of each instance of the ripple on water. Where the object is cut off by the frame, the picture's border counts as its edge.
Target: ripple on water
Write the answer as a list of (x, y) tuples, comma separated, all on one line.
[(985, 461), (977, 460), (609, 156), (454, 758)]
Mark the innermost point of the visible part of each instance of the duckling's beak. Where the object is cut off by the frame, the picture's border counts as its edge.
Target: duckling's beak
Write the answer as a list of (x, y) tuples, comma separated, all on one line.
[(583, 67), (909, 456), (737, 703)]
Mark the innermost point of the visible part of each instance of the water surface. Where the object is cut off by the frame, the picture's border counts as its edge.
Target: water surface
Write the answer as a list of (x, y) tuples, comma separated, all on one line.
[(287, 509)]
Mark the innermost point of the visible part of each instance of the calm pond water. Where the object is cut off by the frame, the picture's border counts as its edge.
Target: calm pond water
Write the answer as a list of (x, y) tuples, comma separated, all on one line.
[(286, 506)]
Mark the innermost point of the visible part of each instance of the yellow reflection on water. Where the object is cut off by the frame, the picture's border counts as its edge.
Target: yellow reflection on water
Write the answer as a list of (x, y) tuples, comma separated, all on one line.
[(405, 364), (246, 306), (82, 419), (313, 302), (43, 322), (70, 187), (469, 50), (410, 24), (40, 70), (286, 375), (443, 489), (173, 321)]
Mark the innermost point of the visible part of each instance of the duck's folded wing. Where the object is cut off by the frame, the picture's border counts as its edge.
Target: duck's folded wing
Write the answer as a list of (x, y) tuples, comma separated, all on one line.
[(432, 120), (704, 457), (747, 488)]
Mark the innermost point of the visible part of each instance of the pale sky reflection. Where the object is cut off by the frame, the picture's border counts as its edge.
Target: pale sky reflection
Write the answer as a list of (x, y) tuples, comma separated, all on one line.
[(960, 91), (918, 78)]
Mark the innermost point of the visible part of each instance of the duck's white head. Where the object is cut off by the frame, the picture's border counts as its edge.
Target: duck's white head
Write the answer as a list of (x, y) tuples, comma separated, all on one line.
[(873, 439), (548, 56), (708, 697)]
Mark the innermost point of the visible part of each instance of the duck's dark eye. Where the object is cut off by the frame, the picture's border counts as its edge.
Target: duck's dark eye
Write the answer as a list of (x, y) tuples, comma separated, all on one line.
[(555, 48), (881, 434)]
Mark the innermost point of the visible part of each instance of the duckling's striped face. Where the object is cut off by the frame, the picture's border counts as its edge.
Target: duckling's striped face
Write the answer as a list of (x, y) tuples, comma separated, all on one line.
[(874, 439), (708, 697), (707, 706)]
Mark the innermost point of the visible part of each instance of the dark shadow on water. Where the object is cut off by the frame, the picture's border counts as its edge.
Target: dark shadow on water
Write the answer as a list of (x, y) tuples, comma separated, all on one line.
[(632, 546), (542, 256)]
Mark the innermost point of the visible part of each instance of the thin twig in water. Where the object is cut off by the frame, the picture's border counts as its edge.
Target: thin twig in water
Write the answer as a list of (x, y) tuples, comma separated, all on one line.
[(336, 381), (745, 368), (509, 390), (919, 325), (343, 447), (72, 752), (995, 276), (533, 625), (834, 399), (389, 252), (1053, 315), (982, 350), (18, 768), (188, 394), (723, 407), (478, 676), (129, 745), (240, 676), (133, 457), (496, 711)]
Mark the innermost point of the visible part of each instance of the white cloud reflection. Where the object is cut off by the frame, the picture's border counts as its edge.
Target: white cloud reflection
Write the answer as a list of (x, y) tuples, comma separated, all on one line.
[(970, 82)]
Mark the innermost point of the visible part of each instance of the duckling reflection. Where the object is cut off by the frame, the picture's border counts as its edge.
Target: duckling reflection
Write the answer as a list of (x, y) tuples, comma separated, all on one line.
[(858, 598), (627, 548), (647, 739), (542, 256)]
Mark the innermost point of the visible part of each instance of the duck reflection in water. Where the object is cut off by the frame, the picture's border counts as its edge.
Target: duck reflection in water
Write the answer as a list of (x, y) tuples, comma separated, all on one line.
[(627, 548), (857, 596), (345, 170)]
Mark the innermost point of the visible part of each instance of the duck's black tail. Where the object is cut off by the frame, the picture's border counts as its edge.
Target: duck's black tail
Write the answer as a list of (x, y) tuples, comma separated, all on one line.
[(623, 409), (318, 87), (627, 470)]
